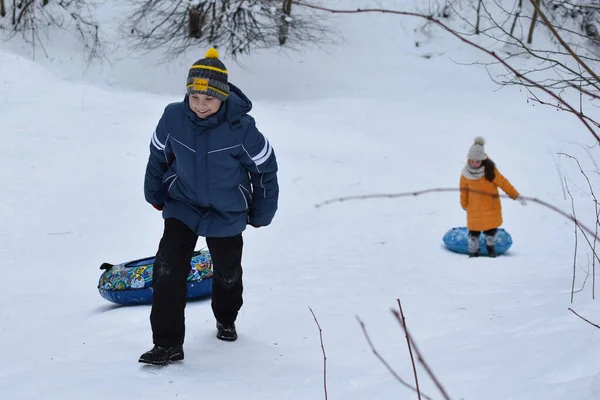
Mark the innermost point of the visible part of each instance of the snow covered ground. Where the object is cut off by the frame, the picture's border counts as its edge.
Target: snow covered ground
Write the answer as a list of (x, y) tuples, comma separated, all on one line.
[(370, 115)]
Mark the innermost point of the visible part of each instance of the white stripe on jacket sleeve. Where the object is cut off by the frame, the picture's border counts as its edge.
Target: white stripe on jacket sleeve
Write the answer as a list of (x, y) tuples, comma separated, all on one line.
[(157, 142), (264, 158), (262, 152)]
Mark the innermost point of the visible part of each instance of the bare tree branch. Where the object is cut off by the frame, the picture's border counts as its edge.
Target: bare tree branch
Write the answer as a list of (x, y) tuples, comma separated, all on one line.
[(586, 320), (575, 252), (421, 358), (533, 21), (549, 25), (32, 18), (237, 26), (442, 190), (385, 363), (558, 106), (587, 275), (324, 356), (478, 16), (546, 56), (465, 40), (517, 15), (597, 210), (584, 6), (412, 358)]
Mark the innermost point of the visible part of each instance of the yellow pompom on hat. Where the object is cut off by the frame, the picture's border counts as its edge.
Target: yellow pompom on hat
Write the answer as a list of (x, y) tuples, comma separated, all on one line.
[(208, 76), (212, 53)]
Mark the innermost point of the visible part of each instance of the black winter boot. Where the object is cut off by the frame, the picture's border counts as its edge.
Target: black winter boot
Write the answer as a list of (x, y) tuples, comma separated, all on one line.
[(226, 332), (491, 251), (473, 244), (161, 355)]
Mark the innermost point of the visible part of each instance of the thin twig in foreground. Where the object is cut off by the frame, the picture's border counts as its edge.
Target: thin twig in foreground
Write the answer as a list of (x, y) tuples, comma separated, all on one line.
[(324, 356), (385, 363), (576, 236), (595, 96), (597, 208), (559, 107), (421, 358), (412, 358), (586, 320), (441, 190)]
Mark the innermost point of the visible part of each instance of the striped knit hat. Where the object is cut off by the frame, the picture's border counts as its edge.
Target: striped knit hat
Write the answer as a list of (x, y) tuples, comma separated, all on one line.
[(208, 76)]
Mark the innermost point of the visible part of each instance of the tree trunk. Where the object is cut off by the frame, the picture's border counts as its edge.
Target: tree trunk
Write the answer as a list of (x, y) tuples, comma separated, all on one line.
[(213, 18), (194, 18), (478, 17), (14, 13), (533, 22), (284, 25), (24, 10), (517, 15)]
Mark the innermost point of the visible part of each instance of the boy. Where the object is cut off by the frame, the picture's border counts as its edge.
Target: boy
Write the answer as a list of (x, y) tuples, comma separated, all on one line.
[(210, 172)]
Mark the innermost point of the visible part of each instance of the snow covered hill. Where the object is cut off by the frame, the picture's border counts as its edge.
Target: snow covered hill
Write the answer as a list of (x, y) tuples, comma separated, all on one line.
[(371, 115)]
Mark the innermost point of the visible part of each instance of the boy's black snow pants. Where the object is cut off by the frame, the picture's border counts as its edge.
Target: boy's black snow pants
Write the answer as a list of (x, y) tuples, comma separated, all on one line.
[(169, 280)]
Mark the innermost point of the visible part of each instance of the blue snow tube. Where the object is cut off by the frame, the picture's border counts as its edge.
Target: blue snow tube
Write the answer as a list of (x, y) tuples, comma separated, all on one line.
[(131, 282), (457, 240)]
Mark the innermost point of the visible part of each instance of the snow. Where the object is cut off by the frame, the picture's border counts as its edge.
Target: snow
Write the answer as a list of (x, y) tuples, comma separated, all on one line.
[(368, 115)]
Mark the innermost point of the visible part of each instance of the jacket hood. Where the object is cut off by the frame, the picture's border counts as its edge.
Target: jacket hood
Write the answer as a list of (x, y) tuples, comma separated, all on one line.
[(238, 104), (233, 109)]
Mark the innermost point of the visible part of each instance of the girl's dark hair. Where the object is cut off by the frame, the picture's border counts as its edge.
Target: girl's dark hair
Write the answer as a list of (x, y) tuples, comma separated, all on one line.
[(489, 168)]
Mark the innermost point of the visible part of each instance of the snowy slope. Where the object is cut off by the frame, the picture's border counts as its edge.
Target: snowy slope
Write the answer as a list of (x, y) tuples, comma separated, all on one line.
[(72, 174)]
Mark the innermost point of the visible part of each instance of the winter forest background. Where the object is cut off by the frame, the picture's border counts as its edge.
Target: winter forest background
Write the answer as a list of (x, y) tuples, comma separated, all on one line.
[(378, 100)]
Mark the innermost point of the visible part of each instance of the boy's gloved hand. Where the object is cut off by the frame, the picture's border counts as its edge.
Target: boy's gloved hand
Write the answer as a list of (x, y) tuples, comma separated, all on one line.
[(250, 223), (158, 207), (521, 200)]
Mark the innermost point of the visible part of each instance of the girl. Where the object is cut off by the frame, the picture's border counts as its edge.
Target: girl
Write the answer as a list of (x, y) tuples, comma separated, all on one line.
[(479, 184)]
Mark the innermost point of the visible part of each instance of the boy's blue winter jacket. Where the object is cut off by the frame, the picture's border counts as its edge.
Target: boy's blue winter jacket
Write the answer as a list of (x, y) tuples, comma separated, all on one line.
[(216, 174)]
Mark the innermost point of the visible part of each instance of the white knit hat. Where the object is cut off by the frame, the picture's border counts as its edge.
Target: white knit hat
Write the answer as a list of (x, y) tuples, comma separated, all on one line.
[(477, 151)]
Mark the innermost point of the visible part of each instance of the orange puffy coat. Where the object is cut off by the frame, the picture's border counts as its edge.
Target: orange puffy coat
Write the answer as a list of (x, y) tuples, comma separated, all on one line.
[(484, 211)]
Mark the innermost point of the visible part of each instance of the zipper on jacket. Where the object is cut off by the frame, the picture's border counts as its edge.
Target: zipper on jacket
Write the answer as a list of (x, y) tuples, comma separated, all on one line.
[(206, 167), (210, 210)]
